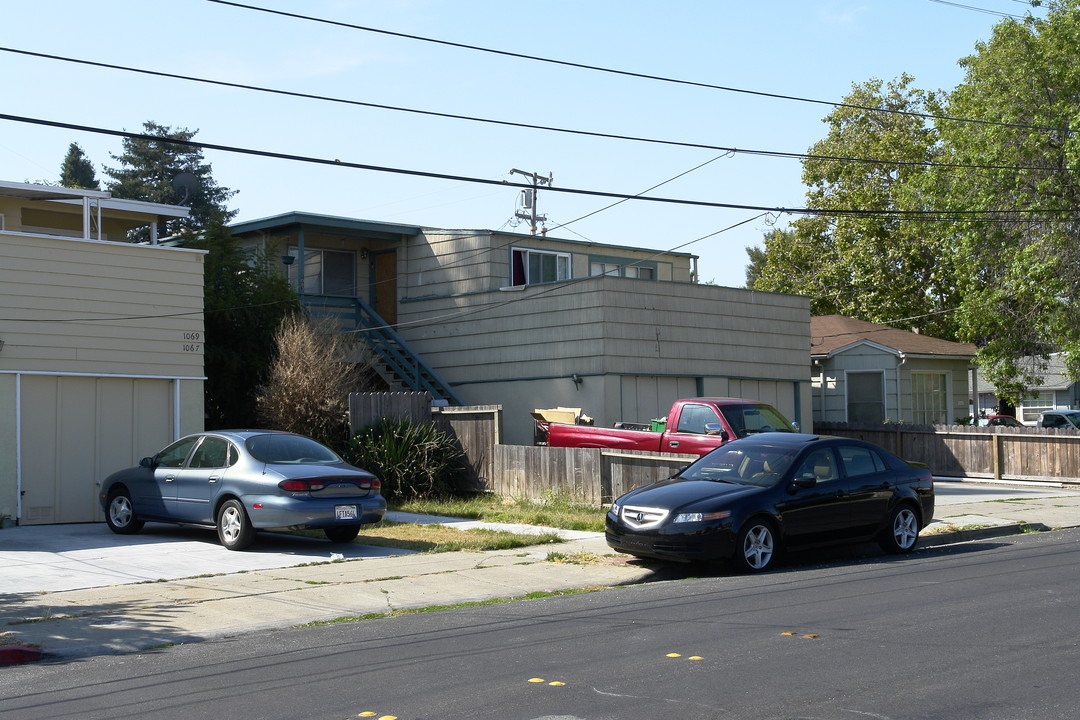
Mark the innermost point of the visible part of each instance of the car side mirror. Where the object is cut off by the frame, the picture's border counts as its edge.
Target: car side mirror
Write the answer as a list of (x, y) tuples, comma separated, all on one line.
[(148, 462), (806, 480), (716, 429)]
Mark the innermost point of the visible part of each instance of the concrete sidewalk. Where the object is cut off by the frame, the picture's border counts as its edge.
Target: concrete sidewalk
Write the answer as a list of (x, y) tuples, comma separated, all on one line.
[(75, 591)]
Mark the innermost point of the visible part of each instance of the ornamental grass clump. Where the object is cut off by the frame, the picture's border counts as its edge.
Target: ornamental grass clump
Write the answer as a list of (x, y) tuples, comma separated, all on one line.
[(413, 460)]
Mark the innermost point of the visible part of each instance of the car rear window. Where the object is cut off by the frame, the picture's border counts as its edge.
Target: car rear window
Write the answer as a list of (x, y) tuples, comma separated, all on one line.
[(289, 449)]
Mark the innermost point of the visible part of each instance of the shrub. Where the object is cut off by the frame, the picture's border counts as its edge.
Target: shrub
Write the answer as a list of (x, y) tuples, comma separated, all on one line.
[(307, 390), (413, 460)]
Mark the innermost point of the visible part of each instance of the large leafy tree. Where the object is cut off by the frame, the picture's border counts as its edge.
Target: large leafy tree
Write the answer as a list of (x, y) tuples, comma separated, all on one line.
[(77, 171), (975, 232), (868, 251), (1022, 293), (155, 168)]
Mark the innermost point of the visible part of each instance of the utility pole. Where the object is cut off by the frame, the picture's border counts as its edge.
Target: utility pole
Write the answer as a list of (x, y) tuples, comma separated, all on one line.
[(529, 197)]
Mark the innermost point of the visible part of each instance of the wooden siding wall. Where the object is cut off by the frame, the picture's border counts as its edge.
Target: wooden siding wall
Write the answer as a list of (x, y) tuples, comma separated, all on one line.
[(1000, 453), (140, 307), (534, 339), (589, 475)]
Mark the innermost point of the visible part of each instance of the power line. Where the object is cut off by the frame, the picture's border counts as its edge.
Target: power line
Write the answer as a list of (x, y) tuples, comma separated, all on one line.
[(509, 123), (625, 73), (487, 181), (979, 9)]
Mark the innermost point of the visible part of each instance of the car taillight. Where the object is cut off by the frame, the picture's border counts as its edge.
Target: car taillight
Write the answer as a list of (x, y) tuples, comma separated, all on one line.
[(316, 485), (301, 485)]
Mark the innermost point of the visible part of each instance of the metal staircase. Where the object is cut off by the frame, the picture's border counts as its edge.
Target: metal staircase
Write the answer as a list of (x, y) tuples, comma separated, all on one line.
[(398, 364)]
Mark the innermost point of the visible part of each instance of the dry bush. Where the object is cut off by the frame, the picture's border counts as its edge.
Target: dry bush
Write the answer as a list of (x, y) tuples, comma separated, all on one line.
[(309, 381)]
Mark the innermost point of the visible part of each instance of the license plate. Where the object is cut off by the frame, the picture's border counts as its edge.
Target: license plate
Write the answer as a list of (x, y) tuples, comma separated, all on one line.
[(345, 512)]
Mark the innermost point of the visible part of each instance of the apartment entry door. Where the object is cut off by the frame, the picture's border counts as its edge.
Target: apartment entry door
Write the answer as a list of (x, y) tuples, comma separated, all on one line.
[(384, 285)]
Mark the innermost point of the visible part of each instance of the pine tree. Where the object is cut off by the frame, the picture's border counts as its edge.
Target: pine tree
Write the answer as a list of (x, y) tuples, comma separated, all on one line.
[(150, 164), (77, 171)]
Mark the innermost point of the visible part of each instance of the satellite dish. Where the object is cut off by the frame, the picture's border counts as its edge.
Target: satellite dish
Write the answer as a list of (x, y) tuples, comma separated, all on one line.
[(185, 183)]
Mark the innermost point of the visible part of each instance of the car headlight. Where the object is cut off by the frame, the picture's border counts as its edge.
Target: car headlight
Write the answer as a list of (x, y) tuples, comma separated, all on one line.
[(701, 517), (615, 508)]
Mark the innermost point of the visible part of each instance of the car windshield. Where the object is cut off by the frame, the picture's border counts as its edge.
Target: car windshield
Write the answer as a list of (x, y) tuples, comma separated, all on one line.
[(748, 464), (289, 449), (750, 419)]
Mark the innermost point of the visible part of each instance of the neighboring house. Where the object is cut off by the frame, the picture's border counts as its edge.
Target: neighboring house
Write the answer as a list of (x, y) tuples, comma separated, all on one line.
[(864, 372), (101, 358), (1057, 392), (526, 322)]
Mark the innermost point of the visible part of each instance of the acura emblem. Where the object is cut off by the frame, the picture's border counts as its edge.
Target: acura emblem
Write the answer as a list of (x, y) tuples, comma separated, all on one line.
[(641, 517)]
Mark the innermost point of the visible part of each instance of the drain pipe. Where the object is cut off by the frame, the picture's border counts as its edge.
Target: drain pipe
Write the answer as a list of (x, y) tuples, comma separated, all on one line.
[(903, 359), (821, 402)]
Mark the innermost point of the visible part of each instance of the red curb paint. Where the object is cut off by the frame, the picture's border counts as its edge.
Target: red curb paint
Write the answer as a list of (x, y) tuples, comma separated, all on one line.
[(18, 654)]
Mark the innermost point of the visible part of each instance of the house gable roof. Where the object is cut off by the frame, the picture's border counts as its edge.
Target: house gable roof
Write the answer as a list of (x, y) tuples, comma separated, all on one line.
[(830, 334)]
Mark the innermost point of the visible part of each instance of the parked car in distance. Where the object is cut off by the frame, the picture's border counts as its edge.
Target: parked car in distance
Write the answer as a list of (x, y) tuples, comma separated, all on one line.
[(751, 498), (998, 421), (1069, 419), (242, 481)]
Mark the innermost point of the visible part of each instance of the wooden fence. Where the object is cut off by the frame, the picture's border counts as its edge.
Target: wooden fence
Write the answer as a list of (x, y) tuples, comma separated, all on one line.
[(597, 476), (1023, 454), (476, 427), (590, 475)]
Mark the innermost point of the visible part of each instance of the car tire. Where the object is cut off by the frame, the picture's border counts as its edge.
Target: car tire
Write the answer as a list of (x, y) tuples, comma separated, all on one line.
[(902, 531), (756, 546), (234, 529), (342, 533), (120, 513)]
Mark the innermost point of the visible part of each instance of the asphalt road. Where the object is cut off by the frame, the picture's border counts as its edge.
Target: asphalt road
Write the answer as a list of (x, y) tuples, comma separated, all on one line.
[(980, 630)]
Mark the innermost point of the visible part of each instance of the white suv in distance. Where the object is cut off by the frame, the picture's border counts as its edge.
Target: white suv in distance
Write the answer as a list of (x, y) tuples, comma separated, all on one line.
[(1069, 419)]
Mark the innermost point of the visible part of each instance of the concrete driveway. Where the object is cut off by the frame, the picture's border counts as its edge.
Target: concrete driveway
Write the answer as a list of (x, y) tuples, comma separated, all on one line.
[(51, 558)]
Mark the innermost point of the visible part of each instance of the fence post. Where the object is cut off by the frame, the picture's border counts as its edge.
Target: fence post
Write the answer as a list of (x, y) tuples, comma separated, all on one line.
[(995, 456)]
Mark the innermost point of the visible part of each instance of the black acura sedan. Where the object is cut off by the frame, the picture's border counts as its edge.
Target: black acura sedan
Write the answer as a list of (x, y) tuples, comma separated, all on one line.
[(242, 481), (751, 498)]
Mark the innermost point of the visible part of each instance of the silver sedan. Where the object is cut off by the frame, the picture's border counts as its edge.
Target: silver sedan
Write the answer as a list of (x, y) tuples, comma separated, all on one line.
[(243, 481)]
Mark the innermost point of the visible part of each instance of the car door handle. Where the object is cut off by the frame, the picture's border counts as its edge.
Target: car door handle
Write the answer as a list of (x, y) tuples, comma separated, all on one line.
[(170, 478), (673, 443), (214, 478)]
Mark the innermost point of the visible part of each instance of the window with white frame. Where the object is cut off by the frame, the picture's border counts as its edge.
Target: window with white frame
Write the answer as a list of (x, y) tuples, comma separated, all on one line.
[(530, 267), (865, 397), (1033, 407), (606, 266), (326, 272), (929, 398)]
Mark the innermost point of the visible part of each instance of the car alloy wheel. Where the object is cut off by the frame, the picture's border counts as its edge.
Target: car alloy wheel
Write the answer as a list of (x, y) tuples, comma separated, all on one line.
[(121, 517), (756, 548), (902, 532), (233, 527)]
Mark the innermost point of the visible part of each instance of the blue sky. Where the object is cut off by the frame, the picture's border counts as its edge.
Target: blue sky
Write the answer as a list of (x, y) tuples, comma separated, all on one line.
[(804, 48)]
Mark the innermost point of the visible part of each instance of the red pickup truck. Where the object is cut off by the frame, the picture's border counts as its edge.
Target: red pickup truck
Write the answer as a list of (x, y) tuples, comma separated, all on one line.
[(693, 426)]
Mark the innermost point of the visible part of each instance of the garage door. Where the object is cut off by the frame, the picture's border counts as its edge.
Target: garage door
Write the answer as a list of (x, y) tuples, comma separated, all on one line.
[(77, 430)]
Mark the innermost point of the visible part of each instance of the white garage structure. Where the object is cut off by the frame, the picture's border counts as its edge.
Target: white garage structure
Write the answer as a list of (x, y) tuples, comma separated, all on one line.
[(101, 346)]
